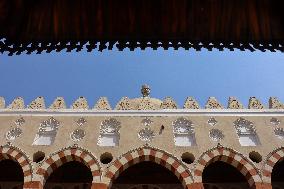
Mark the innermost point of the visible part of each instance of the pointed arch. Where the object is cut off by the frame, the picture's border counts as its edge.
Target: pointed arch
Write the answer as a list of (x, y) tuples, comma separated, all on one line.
[(230, 157), (15, 154), (147, 153), (73, 153)]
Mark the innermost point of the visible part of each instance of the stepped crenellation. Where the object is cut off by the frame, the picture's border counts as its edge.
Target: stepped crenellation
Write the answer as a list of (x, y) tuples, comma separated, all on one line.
[(143, 103)]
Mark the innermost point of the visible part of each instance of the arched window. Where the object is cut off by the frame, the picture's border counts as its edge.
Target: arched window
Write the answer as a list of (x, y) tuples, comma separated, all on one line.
[(47, 132), (183, 132), (109, 133), (11, 174), (277, 176), (246, 132)]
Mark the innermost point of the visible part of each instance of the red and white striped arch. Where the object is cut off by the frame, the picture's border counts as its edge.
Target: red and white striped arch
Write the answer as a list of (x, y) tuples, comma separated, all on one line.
[(148, 154), (67, 155), (231, 157), (15, 154)]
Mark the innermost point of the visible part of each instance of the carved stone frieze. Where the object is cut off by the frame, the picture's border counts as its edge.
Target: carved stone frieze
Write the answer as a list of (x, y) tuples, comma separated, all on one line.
[(48, 125), (169, 103), (123, 104), (81, 121), (274, 121), (183, 126), (216, 135), (146, 134), (58, 103), (102, 104), (77, 135), (212, 121), (18, 103), (190, 103), (38, 103), (110, 126), (2, 102), (146, 122), (146, 104), (233, 103), (80, 103), (254, 103), (279, 133), (14, 133), (19, 122), (274, 103), (212, 103), (244, 126)]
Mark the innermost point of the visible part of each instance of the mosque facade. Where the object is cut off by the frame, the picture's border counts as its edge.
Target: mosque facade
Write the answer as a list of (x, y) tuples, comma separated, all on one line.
[(142, 143)]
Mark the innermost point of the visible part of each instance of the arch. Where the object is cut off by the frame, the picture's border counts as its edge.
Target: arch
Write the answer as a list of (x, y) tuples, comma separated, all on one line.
[(15, 154), (271, 160), (148, 154), (69, 154), (231, 157)]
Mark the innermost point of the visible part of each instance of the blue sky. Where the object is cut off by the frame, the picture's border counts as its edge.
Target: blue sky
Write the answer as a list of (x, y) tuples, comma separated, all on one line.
[(115, 74)]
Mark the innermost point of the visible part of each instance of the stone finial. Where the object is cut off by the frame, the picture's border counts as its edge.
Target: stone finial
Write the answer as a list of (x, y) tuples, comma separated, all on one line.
[(80, 103), (145, 90), (212, 103), (2, 102), (274, 103), (254, 103), (58, 103), (169, 103), (18, 103), (123, 104), (38, 103), (146, 104), (102, 104), (233, 103), (190, 103)]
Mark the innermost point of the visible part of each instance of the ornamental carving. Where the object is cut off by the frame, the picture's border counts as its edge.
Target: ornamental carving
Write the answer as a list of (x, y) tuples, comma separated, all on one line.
[(254, 103), (19, 122), (168, 103), (146, 134), (274, 121), (212, 121), (146, 104), (146, 122), (183, 126), (233, 103), (48, 125), (102, 104), (14, 133), (123, 104), (80, 103), (212, 103), (2, 102), (244, 126), (81, 121), (274, 103), (190, 103), (58, 103), (77, 135), (279, 133), (216, 135), (18, 103), (38, 103), (110, 126)]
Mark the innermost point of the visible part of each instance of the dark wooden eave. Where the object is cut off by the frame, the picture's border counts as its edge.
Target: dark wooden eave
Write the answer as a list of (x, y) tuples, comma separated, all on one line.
[(46, 25)]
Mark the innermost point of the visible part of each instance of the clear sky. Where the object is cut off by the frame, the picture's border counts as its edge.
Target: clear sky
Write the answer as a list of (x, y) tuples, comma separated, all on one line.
[(115, 74)]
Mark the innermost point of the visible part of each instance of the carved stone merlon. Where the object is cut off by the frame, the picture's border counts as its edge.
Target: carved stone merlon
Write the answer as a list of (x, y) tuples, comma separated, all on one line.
[(233, 103), (274, 103), (169, 103), (38, 103), (58, 103), (80, 103), (146, 104), (18, 103), (123, 104), (145, 90), (254, 103), (2, 102), (190, 103), (102, 104), (212, 103)]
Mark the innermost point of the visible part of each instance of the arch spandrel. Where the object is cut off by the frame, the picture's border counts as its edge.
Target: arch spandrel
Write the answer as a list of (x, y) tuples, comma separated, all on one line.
[(147, 153), (232, 157)]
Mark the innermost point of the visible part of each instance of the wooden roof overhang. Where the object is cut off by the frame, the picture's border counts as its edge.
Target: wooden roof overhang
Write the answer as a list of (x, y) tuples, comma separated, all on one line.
[(46, 25)]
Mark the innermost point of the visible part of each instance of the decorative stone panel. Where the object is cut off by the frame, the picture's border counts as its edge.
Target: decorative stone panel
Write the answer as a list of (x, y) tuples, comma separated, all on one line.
[(77, 135), (233, 103), (212, 121), (274, 121), (109, 133), (81, 121), (146, 134), (18, 103), (169, 103), (102, 104), (58, 103), (254, 103), (19, 122), (274, 103), (123, 104), (183, 132), (80, 103), (279, 133), (216, 135), (190, 103), (14, 133), (212, 103), (2, 102), (38, 103)]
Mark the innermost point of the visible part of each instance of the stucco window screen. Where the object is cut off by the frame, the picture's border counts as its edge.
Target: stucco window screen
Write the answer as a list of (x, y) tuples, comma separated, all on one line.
[(47, 132), (246, 132), (109, 133), (183, 132)]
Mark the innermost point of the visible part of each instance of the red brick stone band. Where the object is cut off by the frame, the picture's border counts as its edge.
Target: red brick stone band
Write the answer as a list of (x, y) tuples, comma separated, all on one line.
[(15, 154), (148, 154), (68, 155), (231, 157)]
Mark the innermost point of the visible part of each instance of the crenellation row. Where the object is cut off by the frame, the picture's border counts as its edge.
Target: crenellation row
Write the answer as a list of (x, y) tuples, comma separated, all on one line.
[(143, 103)]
